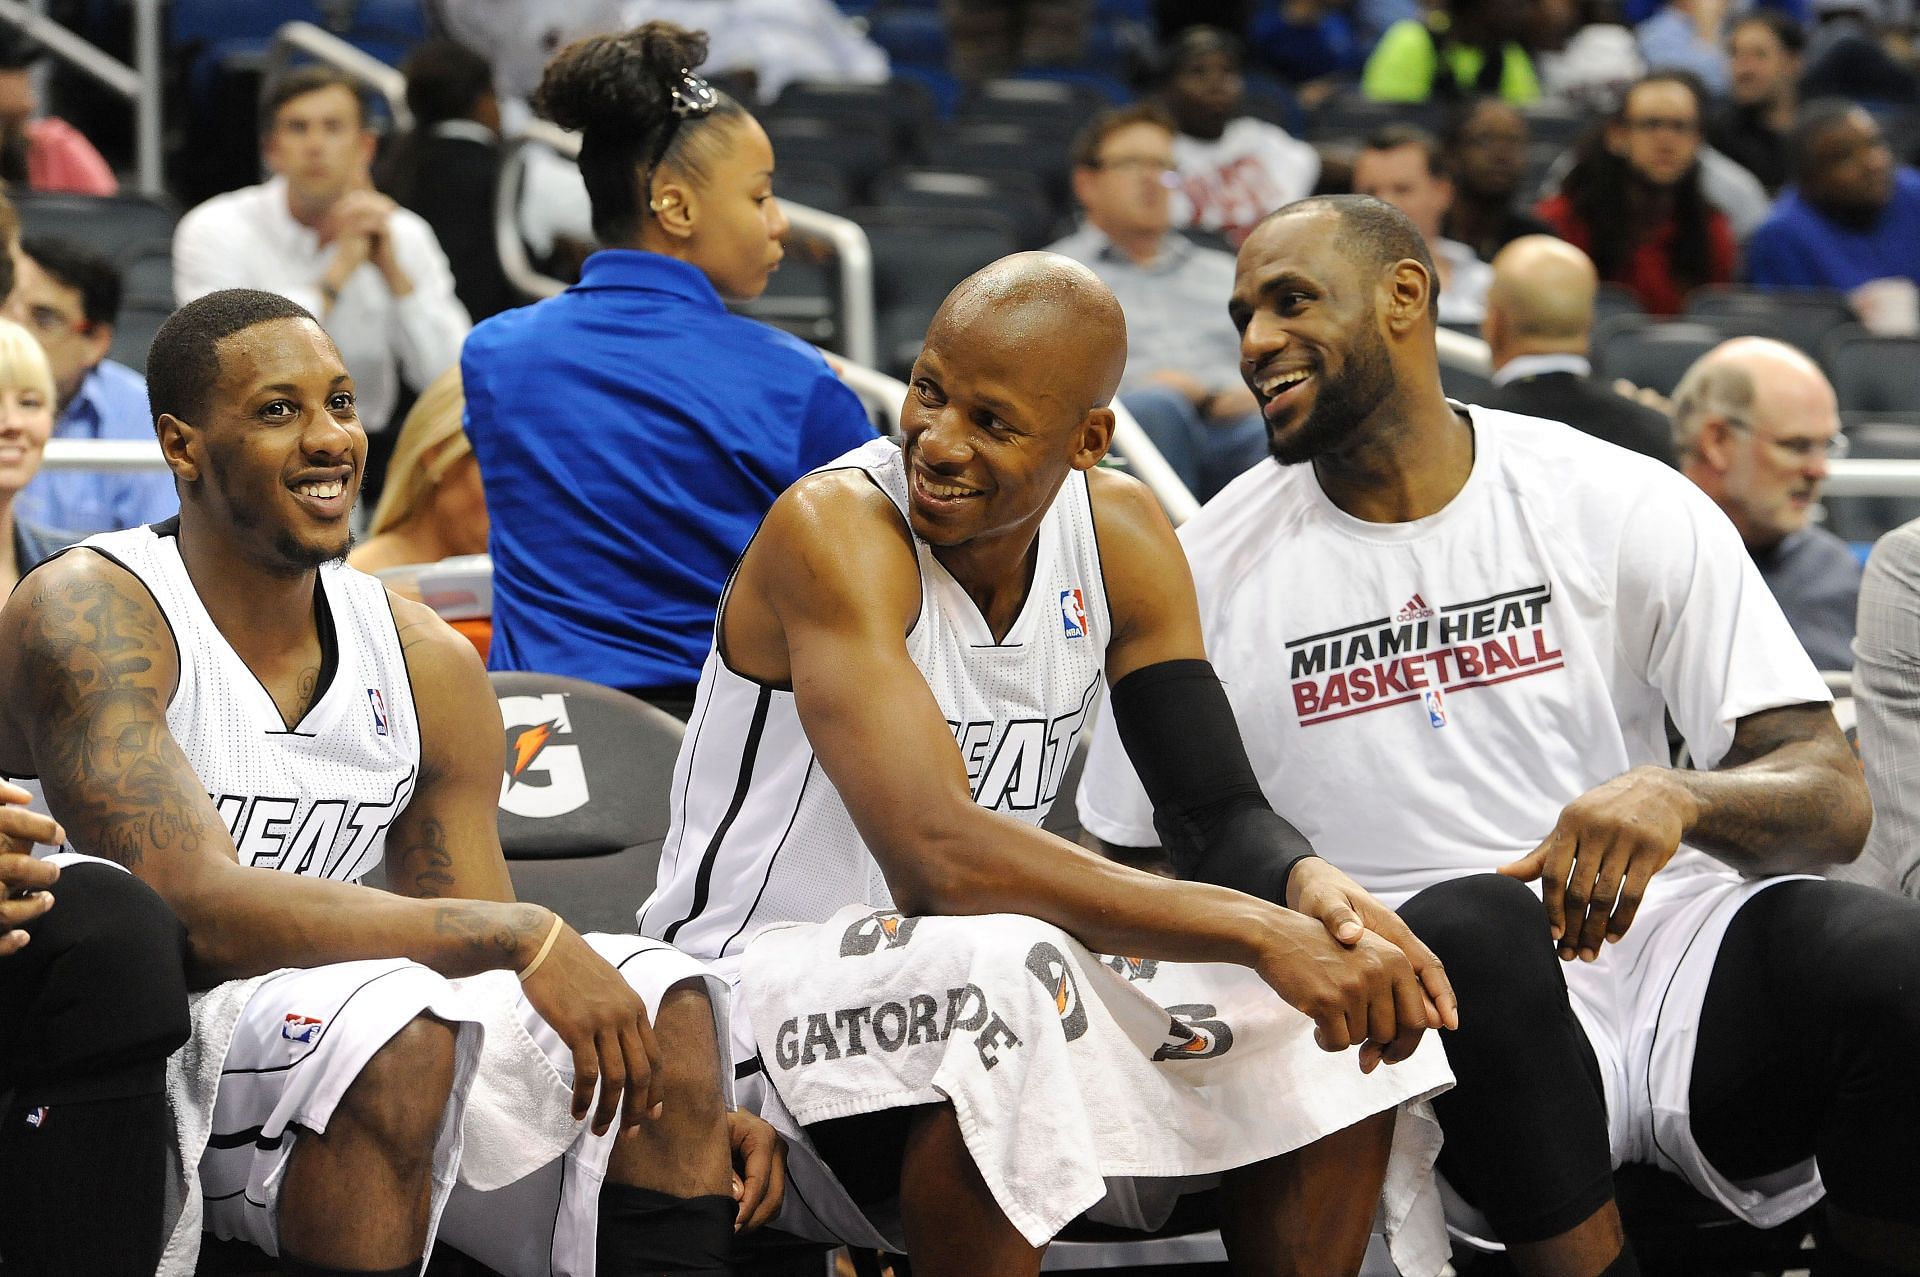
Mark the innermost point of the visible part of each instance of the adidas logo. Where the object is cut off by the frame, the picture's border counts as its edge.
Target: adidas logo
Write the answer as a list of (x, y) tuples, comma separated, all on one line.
[(1416, 609)]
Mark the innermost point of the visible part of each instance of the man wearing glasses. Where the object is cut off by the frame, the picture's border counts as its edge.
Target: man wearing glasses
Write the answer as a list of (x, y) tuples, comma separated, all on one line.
[(1755, 423), (1182, 379), (68, 296)]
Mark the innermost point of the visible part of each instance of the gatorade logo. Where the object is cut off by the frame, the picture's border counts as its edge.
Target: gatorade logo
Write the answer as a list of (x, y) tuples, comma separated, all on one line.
[(1192, 1034), (543, 778), (877, 931), (1050, 967)]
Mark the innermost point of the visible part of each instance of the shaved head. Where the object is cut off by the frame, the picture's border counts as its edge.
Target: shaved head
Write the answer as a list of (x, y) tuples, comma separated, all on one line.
[(1544, 288), (1066, 322)]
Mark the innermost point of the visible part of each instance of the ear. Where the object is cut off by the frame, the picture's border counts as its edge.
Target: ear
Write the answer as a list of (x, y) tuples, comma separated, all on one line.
[(1616, 136), (1716, 444), (369, 146), (1095, 438), (1083, 178), (1408, 288), (180, 445), (674, 205), (1446, 190), (99, 342), (1493, 326)]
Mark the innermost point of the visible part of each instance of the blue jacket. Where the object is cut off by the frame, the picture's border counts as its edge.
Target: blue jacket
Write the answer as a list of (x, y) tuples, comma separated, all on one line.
[(1799, 247), (632, 433)]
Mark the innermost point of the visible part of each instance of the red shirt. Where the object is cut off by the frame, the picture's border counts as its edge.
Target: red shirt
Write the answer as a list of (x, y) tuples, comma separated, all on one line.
[(1648, 275)]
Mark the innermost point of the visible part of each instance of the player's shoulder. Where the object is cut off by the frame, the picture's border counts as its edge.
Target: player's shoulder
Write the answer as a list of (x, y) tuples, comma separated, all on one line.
[(440, 661), (1242, 520), (1542, 458)]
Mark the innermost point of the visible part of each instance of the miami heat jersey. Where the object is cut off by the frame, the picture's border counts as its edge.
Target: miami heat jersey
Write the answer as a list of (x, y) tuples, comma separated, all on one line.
[(758, 833), (314, 798)]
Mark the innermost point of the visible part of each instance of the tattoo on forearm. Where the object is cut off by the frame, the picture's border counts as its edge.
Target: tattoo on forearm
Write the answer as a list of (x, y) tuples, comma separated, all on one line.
[(99, 730), (423, 868), (494, 933)]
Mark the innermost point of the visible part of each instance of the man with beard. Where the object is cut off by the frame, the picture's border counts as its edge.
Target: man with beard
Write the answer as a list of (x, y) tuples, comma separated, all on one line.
[(1455, 635), (902, 663), (221, 707), (1853, 215), (1484, 148)]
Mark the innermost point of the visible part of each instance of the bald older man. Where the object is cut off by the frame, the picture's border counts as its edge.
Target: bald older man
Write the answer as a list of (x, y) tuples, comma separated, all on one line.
[(1538, 329), (1755, 422), (906, 656)]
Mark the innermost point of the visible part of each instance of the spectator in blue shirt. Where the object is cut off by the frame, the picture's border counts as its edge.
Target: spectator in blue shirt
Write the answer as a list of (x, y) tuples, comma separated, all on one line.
[(1851, 216), (631, 432), (68, 296)]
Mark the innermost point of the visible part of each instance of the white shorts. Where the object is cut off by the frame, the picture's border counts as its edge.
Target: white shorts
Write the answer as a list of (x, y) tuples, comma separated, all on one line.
[(300, 1042), (547, 1222)]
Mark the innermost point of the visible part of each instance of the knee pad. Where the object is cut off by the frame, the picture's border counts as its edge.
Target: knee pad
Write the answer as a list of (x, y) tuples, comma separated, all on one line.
[(103, 986), (1491, 933)]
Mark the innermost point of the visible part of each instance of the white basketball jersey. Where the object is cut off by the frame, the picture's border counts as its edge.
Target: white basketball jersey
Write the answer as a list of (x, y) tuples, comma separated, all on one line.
[(758, 833), (315, 798)]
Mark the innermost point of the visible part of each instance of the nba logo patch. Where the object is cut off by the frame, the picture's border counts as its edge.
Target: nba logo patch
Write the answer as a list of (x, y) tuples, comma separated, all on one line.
[(37, 1117), (301, 1028), (1073, 614), (1436, 708), (379, 705)]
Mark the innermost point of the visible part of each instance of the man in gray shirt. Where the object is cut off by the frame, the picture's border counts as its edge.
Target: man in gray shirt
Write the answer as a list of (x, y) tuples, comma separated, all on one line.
[(1755, 422), (1886, 696), (1183, 356)]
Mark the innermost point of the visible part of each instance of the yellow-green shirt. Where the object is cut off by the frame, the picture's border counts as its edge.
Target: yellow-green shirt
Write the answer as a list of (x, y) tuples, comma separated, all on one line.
[(1405, 62)]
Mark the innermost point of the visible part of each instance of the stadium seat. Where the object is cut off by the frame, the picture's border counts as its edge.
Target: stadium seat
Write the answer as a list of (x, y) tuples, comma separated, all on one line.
[(1610, 300), (813, 184), (858, 148), (1862, 518), (1804, 317), (1050, 106), (1350, 117), (1018, 196), (991, 146), (907, 104), (584, 802), (911, 37), (1650, 353), (919, 254), (1463, 384), (1873, 373), (133, 334), (121, 226)]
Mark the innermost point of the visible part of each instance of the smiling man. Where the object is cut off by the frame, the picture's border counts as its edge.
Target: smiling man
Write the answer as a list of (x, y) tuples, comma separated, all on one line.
[(1755, 422), (903, 661), (1455, 636), (220, 706)]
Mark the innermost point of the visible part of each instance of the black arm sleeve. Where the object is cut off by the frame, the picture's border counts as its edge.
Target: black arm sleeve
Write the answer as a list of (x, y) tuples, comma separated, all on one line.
[(1214, 821)]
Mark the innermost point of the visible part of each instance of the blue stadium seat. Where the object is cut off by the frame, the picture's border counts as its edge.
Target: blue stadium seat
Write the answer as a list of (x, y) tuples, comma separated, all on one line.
[(1016, 195), (911, 37), (906, 103), (858, 148)]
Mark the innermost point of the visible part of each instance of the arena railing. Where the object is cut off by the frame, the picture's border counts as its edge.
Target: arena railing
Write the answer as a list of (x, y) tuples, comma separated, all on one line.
[(323, 46), (139, 83)]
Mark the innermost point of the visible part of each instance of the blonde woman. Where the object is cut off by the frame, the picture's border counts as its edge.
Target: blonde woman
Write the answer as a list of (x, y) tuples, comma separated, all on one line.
[(432, 507), (26, 422)]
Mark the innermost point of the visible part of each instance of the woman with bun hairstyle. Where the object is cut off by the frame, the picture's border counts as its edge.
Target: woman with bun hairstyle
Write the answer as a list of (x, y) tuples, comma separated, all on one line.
[(631, 431)]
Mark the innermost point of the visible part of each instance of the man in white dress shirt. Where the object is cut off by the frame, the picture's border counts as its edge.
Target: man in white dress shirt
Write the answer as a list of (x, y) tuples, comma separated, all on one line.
[(318, 233)]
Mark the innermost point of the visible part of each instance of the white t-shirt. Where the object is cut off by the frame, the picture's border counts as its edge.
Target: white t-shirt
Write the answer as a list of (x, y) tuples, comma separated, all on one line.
[(1232, 182), (1421, 699)]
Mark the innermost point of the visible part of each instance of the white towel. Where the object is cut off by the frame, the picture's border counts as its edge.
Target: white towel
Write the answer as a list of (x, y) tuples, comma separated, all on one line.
[(193, 1078), (1065, 1068), (519, 1113)]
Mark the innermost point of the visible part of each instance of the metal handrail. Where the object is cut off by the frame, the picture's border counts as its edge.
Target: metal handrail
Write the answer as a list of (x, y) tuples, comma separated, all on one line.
[(857, 329), (139, 83), (324, 46)]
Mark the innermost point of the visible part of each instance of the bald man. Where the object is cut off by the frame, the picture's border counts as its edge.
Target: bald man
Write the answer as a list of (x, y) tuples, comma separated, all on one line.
[(1538, 328), (1755, 422), (905, 658)]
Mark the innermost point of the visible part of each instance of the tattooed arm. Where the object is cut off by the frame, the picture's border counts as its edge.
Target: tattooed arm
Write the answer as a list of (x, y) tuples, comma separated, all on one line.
[(87, 666), (447, 841), (1788, 798)]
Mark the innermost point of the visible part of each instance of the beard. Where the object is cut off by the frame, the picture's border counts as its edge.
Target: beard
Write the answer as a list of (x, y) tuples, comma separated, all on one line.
[(294, 555), (1340, 406)]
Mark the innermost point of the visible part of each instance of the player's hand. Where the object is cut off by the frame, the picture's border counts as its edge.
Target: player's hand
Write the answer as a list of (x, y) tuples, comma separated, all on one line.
[(1321, 890), (759, 1169), (23, 880), (604, 1023), (1364, 993), (1607, 845)]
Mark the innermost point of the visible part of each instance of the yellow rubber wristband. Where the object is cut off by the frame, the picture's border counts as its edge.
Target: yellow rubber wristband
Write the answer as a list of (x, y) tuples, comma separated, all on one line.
[(546, 947)]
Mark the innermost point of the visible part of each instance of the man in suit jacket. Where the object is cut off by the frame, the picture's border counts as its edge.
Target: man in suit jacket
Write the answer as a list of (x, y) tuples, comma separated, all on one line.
[(1539, 321)]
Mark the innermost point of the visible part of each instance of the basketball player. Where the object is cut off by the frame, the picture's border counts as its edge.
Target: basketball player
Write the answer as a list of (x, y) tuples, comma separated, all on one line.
[(1456, 635), (222, 707), (903, 660)]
